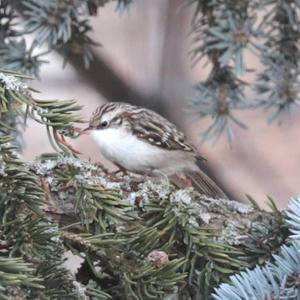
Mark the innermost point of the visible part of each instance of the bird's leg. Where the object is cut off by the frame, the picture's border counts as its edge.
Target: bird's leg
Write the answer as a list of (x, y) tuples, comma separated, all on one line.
[(121, 170), (184, 180)]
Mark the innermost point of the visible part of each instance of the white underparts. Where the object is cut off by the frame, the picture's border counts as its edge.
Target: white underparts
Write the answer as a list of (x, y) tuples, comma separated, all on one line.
[(136, 155)]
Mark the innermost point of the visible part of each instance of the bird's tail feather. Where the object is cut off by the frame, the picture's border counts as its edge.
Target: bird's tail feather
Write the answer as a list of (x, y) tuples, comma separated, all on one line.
[(205, 185)]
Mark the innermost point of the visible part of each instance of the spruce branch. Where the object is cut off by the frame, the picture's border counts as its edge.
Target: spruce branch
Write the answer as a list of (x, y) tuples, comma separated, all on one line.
[(24, 230), (93, 5), (222, 32), (8, 21), (115, 223), (15, 53), (279, 278), (214, 238), (278, 85), (293, 218), (14, 273), (57, 116), (139, 238), (58, 25)]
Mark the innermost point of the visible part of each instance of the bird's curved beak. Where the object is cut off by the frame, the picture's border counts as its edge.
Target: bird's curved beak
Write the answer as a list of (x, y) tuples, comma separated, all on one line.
[(87, 129)]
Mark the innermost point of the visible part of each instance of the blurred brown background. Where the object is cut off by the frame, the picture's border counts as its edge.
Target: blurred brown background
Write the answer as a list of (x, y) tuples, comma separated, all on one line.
[(144, 60)]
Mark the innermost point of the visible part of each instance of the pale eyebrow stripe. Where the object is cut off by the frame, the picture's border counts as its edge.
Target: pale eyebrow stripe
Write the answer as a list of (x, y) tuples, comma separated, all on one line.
[(117, 120), (108, 108)]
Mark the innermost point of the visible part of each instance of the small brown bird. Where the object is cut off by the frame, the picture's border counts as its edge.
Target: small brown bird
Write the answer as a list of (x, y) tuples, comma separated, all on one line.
[(141, 141)]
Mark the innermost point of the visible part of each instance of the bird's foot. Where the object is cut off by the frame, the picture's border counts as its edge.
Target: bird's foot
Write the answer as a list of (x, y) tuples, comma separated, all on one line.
[(120, 170), (184, 180)]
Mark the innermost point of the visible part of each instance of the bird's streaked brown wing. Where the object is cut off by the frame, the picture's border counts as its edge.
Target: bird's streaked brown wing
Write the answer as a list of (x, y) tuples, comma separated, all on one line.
[(158, 131)]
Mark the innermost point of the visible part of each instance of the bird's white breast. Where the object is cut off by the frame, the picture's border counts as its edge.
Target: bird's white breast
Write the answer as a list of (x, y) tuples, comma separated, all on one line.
[(125, 149)]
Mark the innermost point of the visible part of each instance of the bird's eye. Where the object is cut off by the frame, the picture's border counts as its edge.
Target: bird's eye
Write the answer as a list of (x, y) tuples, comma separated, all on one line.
[(103, 124)]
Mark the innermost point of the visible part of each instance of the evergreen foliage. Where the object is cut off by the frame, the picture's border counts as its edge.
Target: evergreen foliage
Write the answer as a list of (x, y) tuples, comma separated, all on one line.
[(57, 25), (139, 238), (224, 31), (279, 278)]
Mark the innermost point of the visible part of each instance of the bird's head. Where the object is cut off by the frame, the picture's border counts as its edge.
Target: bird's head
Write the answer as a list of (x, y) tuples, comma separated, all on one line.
[(109, 115)]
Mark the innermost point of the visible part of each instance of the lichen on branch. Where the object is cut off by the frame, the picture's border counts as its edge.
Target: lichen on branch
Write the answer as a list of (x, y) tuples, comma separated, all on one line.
[(120, 219)]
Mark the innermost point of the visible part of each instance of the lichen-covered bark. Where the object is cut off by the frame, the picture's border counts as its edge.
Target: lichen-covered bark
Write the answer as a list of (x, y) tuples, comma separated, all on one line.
[(118, 219)]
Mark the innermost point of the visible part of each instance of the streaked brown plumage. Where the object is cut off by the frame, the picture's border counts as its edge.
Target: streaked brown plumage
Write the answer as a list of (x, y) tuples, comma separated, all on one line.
[(142, 141)]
